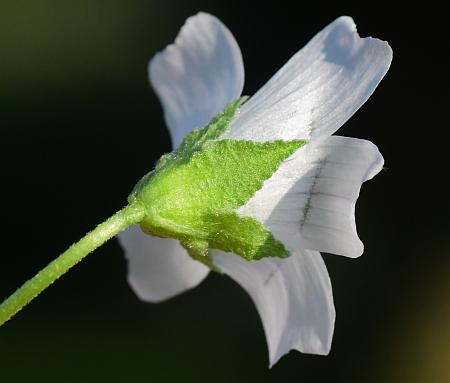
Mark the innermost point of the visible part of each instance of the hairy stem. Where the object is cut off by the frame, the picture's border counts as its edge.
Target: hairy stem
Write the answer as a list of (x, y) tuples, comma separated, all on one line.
[(129, 215)]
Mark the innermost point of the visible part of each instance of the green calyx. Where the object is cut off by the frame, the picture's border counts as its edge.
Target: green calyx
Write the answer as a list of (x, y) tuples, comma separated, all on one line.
[(194, 192)]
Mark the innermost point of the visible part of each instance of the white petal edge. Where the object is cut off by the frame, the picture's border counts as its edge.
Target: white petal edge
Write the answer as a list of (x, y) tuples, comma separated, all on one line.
[(198, 75), (293, 297), (318, 89), (309, 202), (159, 268)]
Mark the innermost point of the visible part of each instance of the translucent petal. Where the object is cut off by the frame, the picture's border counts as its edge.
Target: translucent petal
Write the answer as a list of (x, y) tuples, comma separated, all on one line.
[(159, 268), (318, 89), (309, 203), (293, 297), (198, 75)]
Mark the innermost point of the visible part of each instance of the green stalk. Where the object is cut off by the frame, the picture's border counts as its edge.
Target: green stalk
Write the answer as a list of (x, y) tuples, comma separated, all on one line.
[(129, 215)]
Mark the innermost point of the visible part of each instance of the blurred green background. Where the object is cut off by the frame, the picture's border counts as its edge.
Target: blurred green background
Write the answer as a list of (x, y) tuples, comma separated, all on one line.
[(80, 125)]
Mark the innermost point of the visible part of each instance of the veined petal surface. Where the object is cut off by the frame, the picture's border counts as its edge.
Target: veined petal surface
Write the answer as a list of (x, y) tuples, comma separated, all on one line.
[(309, 202), (318, 89), (198, 75), (159, 268), (293, 297)]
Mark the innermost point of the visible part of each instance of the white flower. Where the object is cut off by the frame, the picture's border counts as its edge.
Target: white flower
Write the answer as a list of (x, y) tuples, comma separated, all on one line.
[(308, 203)]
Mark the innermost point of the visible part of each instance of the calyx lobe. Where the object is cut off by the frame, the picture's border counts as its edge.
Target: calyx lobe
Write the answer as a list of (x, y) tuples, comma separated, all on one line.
[(194, 192)]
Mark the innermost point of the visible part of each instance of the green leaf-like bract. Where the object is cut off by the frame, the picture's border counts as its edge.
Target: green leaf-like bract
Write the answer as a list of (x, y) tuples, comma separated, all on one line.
[(194, 192)]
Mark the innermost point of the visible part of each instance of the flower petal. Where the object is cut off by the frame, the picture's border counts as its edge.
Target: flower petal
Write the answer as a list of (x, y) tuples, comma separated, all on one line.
[(293, 297), (309, 202), (318, 89), (198, 75), (159, 268)]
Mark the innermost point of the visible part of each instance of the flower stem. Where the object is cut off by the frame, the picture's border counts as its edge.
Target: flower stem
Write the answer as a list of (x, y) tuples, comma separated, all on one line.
[(129, 215)]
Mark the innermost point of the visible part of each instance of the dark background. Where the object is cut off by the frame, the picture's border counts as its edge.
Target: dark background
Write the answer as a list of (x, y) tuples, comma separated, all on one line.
[(80, 125)]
